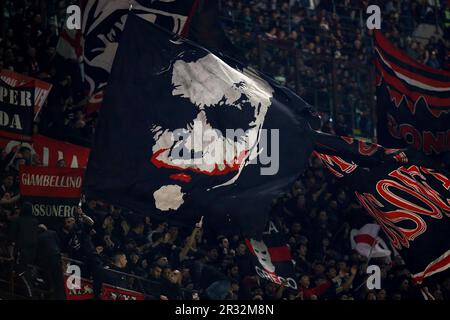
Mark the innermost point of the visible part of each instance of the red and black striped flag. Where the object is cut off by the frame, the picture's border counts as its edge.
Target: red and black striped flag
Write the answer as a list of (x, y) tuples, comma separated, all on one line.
[(405, 192), (272, 256), (413, 101)]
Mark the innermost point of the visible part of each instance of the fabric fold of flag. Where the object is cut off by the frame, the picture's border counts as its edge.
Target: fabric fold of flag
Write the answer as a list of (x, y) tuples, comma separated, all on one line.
[(413, 101), (405, 192)]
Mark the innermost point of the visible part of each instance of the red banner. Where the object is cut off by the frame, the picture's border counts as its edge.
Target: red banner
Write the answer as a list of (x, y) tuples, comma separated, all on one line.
[(115, 293), (50, 182), (41, 88), (85, 292), (50, 151)]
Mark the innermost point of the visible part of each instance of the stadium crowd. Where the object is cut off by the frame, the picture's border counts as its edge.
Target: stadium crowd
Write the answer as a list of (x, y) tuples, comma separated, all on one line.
[(330, 47), (166, 261)]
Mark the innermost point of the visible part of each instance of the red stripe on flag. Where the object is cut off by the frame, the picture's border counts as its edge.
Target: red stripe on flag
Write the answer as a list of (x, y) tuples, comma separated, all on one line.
[(364, 238), (440, 264), (383, 43), (416, 76), (415, 96), (280, 254), (194, 8)]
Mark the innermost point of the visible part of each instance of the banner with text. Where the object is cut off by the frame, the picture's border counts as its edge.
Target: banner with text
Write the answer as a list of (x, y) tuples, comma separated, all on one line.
[(53, 192), (116, 293), (16, 111), (51, 151), (41, 88)]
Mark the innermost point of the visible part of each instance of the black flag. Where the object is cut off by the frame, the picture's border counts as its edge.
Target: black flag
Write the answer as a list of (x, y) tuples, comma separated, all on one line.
[(413, 101), (404, 191), (272, 256), (185, 133)]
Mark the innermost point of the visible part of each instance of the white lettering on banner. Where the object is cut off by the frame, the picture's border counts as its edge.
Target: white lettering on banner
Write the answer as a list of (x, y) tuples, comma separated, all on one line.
[(291, 283), (46, 158), (272, 228), (6, 121), (48, 210), (41, 180), (45, 155), (15, 97)]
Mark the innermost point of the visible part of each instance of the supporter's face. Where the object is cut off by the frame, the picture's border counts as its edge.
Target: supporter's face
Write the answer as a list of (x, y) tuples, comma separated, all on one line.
[(225, 243), (323, 217), (381, 295), (174, 276), (235, 271), (332, 273), (8, 181), (134, 258), (296, 227), (371, 296), (61, 163), (304, 281), (156, 272), (241, 249), (123, 261), (213, 254), (163, 261), (140, 229), (319, 269), (200, 144), (167, 273), (405, 285), (342, 266), (69, 223), (303, 250)]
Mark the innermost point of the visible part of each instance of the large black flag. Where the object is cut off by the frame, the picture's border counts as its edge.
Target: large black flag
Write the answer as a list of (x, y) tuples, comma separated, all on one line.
[(413, 101), (185, 133), (404, 191), (104, 20)]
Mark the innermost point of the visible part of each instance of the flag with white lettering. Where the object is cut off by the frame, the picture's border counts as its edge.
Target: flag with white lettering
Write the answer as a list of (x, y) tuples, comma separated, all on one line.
[(272, 257), (52, 152), (16, 111), (406, 193), (413, 101), (186, 133), (41, 88), (53, 192)]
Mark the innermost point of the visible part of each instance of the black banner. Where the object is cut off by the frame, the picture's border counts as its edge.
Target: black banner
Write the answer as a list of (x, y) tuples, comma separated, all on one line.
[(405, 192), (413, 101), (16, 112), (54, 193)]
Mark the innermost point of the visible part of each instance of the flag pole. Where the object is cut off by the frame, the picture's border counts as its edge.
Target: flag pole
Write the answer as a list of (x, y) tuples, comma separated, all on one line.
[(366, 265)]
